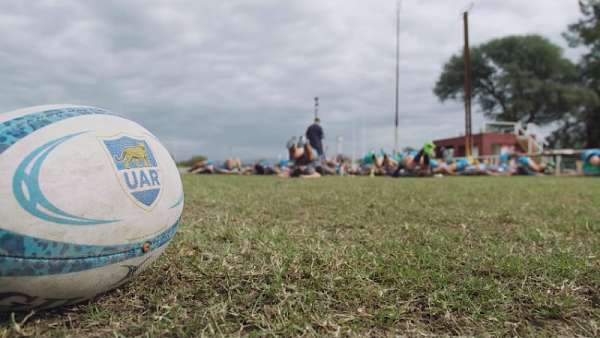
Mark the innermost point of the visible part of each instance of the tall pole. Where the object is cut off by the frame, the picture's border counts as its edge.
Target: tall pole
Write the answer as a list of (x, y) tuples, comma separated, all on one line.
[(316, 107), (468, 88), (363, 135), (354, 140), (396, 150)]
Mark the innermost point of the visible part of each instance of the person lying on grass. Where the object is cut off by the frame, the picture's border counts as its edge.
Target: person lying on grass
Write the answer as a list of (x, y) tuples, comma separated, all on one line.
[(283, 168), (366, 163), (303, 159), (343, 165), (352, 169), (372, 163), (506, 165), (231, 166), (263, 167), (437, 164), (202, 167), (462, 166), (527, 166), (326, 166), (416, 163), (478, 169), (404, 163), (378, 163), (438, 167), (592, 157), (591, 162), (457, 167), (390, 164)]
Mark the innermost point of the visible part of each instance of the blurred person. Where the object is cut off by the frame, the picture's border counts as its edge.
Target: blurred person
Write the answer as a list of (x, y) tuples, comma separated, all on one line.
[(343, 165), (202, 167), (390, 163), (416, 162), (231, 166), (591, 162), (264, 167), (315, 136), (506, 165), (373, 163), (438, 167), (404, 163), (527, 166), (457, 167), (302, 159)]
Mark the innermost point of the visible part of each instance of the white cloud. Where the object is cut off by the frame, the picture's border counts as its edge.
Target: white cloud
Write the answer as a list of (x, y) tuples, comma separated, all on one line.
[(239, 76)]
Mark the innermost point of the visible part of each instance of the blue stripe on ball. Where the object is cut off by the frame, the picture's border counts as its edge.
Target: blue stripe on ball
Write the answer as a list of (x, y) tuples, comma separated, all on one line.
[(14, 130), (29, 194), (22, 255)]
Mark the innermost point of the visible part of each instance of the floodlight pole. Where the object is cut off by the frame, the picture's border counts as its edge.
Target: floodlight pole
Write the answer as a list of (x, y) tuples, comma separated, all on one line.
[(468, 88), (340, 145), (397, 75)]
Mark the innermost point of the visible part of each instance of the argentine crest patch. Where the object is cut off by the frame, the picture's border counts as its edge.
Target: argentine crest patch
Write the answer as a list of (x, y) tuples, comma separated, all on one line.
[(136, 168)]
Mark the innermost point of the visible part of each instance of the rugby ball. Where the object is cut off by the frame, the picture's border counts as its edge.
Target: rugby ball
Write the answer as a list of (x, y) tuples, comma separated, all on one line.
[(88, 199)]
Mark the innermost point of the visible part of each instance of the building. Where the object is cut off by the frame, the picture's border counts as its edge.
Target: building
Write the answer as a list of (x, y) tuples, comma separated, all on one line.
[(496, 136)]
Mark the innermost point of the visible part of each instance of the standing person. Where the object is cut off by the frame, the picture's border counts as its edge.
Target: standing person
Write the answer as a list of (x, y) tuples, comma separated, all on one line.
[(315, 137)]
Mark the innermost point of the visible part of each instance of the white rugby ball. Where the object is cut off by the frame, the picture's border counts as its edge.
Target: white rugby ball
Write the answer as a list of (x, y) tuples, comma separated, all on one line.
[(88, 199)]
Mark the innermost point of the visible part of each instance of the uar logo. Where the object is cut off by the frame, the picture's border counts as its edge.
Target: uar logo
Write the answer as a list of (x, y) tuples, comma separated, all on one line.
[(137, 169)]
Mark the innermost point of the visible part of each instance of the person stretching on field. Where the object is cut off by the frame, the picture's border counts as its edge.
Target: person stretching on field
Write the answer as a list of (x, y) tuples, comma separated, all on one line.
[(302, 158), (202, 167), (231, 166), (416, 162), (591, 162), (527, 166)]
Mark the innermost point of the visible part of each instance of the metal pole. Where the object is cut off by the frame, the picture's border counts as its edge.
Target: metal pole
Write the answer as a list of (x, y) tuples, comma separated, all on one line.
[(339, 148), (363, 135), (354, 140), (468, 88), (397, 75), (316, 107)]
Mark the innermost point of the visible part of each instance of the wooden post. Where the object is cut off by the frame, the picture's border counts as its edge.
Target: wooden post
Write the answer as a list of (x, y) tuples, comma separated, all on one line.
[(468, 87)]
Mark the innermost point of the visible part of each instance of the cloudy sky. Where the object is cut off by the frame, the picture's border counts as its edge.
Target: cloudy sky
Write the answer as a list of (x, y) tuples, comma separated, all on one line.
[(239, 76)]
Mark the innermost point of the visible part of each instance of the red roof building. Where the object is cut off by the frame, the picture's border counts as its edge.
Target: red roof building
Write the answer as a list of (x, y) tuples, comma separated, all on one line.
[(484, 144), (498, 135)]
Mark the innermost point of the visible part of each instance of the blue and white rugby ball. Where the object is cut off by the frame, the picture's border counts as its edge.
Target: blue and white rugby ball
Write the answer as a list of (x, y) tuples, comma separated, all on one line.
[(88, 199)]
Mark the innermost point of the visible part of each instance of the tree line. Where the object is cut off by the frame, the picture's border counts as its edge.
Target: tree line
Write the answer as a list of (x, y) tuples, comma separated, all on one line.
[(528, 79)]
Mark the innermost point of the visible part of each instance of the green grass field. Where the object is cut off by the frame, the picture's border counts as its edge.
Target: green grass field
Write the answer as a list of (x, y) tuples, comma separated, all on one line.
[(378, 256)]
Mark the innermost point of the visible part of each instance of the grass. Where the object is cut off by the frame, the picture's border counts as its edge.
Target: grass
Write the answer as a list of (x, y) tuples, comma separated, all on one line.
[(359, 256)]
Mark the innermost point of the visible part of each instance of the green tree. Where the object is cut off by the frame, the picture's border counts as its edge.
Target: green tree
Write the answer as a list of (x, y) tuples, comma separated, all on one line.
[(583, 127), (517, 78), (192, 160)]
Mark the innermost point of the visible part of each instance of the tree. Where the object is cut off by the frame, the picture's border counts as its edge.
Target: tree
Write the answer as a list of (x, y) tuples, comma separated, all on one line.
[(191, 161), (585, 32), (517, 78)]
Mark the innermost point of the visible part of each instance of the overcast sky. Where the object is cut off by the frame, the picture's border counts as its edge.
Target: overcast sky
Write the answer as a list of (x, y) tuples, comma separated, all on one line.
[(239, 76)]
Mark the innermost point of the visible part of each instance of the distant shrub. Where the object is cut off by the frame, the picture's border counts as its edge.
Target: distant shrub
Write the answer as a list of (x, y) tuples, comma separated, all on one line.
[(191, 161)]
